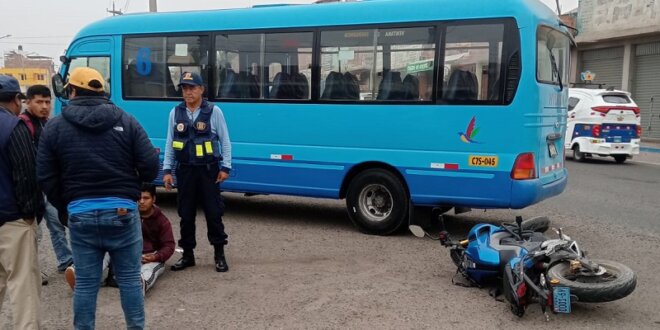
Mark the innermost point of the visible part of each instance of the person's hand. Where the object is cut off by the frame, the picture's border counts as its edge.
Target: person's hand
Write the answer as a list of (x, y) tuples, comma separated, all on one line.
[(151, 257), (222, 176), (168, 181)]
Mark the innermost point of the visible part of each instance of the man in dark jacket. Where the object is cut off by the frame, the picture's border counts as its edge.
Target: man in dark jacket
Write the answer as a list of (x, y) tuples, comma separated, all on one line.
[(21, 206), (91, 161), (35, 117)]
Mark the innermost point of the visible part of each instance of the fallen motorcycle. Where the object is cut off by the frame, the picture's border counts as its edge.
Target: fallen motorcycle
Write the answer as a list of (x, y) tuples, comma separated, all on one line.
[(522, 263)]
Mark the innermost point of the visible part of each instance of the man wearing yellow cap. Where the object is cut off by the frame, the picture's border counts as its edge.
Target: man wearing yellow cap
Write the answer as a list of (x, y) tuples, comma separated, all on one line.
[(91, 162)]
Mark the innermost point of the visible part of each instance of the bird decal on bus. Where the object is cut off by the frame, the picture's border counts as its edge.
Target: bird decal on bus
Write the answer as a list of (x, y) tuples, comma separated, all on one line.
[(470, 133)]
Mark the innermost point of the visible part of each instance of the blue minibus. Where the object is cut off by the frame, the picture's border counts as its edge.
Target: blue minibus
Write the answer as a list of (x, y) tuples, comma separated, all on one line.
[(389, 104)]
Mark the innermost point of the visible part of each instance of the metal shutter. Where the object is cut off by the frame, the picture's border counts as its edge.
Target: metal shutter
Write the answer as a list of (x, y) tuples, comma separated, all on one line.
[(646, 85), (606, 63)]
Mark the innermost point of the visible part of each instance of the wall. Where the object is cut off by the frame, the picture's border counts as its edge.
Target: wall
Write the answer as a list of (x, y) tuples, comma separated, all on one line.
[(609, 19)]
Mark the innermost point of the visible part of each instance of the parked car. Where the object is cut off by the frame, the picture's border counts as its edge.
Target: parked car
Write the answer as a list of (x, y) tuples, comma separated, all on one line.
[(602, 122)]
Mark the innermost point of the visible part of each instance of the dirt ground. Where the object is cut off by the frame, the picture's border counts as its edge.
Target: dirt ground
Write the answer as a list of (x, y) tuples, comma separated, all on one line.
[(299, 264)]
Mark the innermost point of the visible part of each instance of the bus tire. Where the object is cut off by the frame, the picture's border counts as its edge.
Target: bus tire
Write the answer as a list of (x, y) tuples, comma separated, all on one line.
[(578, 155), (377, 202)]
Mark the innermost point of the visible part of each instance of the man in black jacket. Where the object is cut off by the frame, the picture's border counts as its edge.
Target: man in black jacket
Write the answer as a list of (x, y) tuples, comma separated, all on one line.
[(21, 206), (35, 118), (92, 160)]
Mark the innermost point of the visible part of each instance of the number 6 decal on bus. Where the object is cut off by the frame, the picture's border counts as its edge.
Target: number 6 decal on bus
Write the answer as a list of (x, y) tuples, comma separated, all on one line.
[(143, 61)]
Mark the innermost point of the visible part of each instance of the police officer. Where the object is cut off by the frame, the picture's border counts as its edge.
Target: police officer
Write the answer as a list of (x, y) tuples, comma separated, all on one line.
[(198, 142)]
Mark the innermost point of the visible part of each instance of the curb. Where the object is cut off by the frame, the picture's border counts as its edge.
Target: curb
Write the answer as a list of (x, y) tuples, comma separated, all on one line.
[(649, 149)]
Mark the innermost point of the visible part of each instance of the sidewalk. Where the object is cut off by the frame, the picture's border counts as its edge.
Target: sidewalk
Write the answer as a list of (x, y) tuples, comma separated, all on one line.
[(650, 146)]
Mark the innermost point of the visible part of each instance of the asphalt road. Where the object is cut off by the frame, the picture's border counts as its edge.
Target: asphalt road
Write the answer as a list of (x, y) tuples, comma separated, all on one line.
[(297, 263)]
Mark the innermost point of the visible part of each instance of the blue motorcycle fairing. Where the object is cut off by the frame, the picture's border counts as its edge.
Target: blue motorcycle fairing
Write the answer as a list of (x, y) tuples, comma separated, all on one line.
[(490, 247), (483, 261), (479, 249)]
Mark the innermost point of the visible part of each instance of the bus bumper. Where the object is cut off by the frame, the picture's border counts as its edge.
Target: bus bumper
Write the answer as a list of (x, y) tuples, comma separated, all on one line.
[(528, 192)]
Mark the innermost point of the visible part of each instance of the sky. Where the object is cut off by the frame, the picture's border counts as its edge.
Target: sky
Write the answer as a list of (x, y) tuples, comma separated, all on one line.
[(46, 27)]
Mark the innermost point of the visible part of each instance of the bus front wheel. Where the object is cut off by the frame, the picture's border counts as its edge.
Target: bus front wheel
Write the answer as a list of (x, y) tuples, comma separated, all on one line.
[(377, 202)]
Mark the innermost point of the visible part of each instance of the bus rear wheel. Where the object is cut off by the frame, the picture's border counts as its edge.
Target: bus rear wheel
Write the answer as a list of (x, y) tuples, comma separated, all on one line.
[(377, 202)]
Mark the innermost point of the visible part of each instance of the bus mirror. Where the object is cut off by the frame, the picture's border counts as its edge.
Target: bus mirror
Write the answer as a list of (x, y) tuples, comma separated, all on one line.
[(64, 59), (58, 85)]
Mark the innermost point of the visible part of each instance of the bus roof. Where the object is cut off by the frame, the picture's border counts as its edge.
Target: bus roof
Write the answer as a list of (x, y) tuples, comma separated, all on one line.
[(327, 14)]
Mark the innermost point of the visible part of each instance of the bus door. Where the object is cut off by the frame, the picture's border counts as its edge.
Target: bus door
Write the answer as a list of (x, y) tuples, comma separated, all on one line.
[(94, 53)]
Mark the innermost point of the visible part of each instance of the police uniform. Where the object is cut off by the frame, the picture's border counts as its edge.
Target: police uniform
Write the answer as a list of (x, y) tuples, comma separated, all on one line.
[(196, 142)]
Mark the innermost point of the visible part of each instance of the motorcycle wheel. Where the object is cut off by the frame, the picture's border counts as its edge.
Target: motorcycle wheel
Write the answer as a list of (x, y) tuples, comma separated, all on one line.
[(617, 282), (537, 224)]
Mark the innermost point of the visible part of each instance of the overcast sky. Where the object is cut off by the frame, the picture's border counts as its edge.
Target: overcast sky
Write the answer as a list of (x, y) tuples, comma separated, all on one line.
[(46, 27)]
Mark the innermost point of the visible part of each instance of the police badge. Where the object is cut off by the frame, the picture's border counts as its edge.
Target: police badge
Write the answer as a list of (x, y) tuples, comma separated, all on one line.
[(201, 126), (180, 127)]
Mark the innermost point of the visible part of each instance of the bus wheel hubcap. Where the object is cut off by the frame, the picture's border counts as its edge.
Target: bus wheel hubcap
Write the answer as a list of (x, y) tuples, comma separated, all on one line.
[(376, 202)]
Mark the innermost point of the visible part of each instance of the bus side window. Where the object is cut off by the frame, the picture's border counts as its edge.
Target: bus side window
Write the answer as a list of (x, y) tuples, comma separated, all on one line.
[(152, 66), (289, 71), (473, 62), (238, 66), (396, 66)]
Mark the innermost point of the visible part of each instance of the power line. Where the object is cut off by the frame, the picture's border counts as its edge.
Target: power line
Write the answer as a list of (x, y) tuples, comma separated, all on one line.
[(34, 37), (31, 43)]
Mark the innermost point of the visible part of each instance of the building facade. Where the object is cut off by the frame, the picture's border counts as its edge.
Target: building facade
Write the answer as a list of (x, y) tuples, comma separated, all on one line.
[(619, 41), (28, 69)]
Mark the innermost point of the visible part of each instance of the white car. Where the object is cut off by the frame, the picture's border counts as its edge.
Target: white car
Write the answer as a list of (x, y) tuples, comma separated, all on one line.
[(602, 122)]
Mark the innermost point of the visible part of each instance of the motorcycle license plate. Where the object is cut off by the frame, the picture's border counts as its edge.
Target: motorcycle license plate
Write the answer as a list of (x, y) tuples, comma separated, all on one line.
[(561, 299)]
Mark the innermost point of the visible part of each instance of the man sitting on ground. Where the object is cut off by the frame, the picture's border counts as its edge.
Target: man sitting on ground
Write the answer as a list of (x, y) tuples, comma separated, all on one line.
[(158, 240)]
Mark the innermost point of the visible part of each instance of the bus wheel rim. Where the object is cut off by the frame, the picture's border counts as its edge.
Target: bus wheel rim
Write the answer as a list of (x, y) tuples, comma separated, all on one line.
[(376, 202)]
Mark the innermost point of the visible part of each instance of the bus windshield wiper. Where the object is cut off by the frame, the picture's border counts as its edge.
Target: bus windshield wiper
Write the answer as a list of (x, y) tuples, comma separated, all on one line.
[(555, 69)]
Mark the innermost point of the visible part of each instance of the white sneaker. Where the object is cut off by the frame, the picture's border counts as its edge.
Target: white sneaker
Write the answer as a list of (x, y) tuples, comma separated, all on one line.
[(144, 286)]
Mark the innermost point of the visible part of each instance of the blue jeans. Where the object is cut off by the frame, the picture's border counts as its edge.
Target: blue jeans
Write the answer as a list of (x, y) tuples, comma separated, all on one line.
[(58, 238), (92, 235)]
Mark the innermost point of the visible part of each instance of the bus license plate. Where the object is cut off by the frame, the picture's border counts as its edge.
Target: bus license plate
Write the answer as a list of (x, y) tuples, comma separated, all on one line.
[(483, 161), (561, 299), (552, 148)]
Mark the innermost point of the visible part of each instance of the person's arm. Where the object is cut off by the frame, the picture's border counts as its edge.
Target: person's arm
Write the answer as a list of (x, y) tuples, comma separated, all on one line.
[(144, 153), (22, 155), (166, 239), (223, 135), (168, 162), (48, 171)]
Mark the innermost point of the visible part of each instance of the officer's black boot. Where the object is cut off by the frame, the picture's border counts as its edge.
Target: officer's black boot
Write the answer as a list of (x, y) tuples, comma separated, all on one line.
[(220, 261), (187, 260)]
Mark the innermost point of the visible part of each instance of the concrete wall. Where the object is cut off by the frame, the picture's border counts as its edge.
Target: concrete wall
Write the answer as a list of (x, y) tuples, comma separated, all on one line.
[(600, 20)]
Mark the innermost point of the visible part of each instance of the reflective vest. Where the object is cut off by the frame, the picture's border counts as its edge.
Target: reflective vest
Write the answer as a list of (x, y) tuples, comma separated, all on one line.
[(193, 142)]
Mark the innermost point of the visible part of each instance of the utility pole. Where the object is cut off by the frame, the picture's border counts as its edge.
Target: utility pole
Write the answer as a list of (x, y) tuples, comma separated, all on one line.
[(113, 11), (558, 8), (153, 6)]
